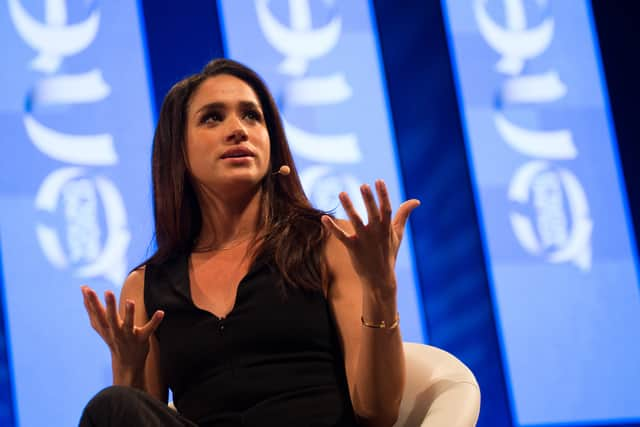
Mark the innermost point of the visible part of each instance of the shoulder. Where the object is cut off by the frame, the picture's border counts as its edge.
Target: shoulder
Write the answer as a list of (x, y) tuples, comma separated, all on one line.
[(133, 287), (335, 251)]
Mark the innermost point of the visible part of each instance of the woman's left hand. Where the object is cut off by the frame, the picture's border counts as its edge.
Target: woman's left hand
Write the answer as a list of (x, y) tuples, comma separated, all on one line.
[(373, 247)]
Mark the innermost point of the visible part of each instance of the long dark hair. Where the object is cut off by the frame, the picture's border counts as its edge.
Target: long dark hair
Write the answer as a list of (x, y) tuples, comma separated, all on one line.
[(293, 236)]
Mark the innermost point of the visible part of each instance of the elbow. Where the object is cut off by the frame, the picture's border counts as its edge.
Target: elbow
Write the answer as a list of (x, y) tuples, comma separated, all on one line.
[(381, 416), (386, 420)]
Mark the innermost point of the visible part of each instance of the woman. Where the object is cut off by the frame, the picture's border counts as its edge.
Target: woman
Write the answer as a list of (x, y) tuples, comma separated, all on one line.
[(256, 308)]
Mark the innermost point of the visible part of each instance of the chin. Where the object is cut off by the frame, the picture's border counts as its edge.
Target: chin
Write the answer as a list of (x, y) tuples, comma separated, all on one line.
[(243, 180)]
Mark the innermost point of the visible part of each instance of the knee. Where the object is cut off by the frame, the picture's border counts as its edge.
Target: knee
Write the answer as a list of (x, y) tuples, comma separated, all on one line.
[(115, 395), (111, 401)]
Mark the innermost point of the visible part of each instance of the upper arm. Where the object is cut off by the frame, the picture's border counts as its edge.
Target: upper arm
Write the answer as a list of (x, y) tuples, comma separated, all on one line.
[(133, 289), (345, 299)]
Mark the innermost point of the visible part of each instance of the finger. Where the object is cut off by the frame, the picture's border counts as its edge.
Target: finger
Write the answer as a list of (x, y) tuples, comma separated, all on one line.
[(385, 203), (86, 300), (96, 311), (112, 312), (351, 212), (129, 309), (373, 214), (336, 230), (403, 214), (148, 328)]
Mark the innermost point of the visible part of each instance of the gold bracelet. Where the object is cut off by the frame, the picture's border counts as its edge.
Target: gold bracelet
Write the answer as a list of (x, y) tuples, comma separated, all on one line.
[(382, 324)]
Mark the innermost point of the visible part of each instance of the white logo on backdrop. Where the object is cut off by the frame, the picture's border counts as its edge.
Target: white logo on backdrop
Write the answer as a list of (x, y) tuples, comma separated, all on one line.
[(561, 238), (84, 200), (300, 43), (515, 42), (53, 39), (81, 197), (78, 149), (558, 235)]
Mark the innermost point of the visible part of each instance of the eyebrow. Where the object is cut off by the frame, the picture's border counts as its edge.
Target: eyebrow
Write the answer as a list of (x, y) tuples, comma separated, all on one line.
[(222, 105)]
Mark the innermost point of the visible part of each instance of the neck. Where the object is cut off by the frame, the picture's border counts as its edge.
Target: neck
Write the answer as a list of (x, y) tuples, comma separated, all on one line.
[(227, 219)]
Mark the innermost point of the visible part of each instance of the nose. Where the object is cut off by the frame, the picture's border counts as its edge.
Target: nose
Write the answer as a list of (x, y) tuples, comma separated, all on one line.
[(237, 132)]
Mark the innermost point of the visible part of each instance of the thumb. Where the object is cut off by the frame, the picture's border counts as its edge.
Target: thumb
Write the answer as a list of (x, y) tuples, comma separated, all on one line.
[(400, 220), (150, 327)]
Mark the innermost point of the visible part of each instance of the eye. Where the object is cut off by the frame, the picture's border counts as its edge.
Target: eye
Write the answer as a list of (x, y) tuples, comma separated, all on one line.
[(253, 115), (211, 117)]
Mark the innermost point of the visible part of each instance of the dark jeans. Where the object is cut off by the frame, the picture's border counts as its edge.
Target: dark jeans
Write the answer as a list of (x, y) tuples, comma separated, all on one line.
[(127, 406)]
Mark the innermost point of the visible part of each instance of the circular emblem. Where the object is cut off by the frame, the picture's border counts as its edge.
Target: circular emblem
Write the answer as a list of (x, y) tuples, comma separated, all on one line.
[(84, 226), (552, 218)]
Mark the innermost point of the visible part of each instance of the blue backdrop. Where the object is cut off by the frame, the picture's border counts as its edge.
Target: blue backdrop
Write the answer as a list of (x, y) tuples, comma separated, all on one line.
[(426, 119), (75, 114)]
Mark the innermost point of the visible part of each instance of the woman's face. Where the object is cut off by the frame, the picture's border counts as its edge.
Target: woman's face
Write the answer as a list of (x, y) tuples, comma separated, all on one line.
[(227, 141)]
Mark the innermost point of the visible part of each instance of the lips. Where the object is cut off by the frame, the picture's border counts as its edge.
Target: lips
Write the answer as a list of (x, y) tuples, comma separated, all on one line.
[(237, 152)]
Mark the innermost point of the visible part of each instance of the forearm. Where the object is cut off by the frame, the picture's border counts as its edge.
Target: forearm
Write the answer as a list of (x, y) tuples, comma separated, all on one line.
[(381, 371)]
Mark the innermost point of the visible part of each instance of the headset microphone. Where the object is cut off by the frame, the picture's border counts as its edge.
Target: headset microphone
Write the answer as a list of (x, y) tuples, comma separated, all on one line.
[(284, 170)]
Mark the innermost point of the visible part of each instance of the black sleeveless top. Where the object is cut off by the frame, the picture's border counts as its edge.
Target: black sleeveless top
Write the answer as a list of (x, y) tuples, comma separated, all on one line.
[(274, 360)]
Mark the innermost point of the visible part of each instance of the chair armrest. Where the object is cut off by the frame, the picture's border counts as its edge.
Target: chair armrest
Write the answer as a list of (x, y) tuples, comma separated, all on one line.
[(440, 390)]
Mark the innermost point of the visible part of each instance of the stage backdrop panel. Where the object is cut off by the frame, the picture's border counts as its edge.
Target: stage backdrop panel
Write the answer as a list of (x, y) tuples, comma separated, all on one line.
[(322, 62), (76, 131), (558, 240)]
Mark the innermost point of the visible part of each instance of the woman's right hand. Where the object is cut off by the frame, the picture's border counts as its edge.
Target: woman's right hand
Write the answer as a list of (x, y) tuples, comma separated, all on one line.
[(129, 344)]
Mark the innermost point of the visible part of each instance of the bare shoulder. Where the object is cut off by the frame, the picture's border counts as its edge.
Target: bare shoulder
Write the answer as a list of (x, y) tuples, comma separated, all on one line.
[(134, 283), (334, 247), (336, 254), (133, 289)]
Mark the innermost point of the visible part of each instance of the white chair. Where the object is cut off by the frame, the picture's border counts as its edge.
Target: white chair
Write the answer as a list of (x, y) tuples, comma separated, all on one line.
[(440, 390)]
